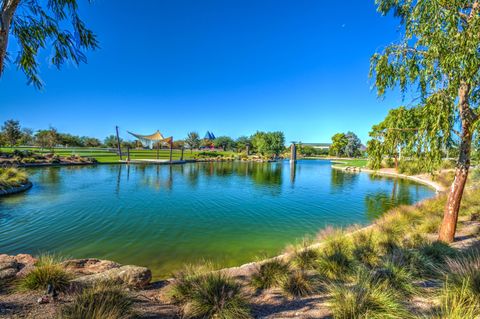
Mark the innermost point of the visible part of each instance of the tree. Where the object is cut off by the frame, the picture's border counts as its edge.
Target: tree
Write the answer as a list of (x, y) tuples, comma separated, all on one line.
[(11, 132), (70, 140), (47, 138), (91, 141), (36, 24), (352, 149), (111, 141), (27, 137), (225, 142), (268, 143), (438, 53), (193, 140), (394, 136), (339, 142), (242, 142)]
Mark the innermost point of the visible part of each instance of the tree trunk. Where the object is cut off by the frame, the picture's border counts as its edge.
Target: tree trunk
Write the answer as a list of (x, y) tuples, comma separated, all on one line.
[(6, 14), (452, 207)]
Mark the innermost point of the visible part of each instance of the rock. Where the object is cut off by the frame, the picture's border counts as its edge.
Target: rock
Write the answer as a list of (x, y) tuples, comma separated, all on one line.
[(43, 300), (15, 266), (89, 266), (134, 276)]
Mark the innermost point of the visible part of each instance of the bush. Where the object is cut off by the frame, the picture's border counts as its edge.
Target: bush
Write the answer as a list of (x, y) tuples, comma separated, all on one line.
[(103, 301), (270, 274), (298, 284), (412, 167), (47, 271), (364, 299)]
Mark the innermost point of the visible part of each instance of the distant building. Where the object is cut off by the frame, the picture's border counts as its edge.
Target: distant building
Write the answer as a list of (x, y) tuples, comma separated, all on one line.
[(318, 146), (209, 136)]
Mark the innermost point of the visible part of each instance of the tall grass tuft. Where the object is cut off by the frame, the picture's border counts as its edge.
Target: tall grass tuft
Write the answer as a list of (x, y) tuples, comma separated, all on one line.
[(270, 274), (395, 277), (335, 261), (305, 258), (437, 252), (215, 295), (12, 177), (184, 281), (102, 301), (298, 284), (364, 249), (364, 299), (47, 271), (458, 303), (464, 272)]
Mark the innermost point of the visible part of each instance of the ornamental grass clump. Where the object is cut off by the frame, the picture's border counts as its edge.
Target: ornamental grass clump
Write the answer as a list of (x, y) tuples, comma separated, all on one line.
[(437, 252), (335, 261), (464, 272), (102, 301), (12, 177), (47, 271), (365, 249), (304, 257), (270, 274), (298, 284), (395, 277), (364, 299), (457, 302)]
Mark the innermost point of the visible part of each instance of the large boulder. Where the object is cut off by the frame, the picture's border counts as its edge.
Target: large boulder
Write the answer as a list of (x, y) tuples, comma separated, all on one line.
[(15, 266), (89, 266), (133, 276)]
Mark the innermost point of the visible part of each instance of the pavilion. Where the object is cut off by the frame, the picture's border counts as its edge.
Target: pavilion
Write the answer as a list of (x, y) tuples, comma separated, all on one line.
[(150, 140)]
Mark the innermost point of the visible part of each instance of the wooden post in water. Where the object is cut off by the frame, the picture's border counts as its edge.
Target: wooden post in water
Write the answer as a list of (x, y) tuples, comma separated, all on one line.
[(293, 153), (158, 150), (118, 143), (248, 149), (128, 154), (171, 149), (181, 156)]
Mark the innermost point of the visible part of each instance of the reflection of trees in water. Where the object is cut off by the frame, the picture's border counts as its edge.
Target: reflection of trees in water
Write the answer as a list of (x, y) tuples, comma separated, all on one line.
[(151, 176), (50, 175), (340, 179), (380, 202), (267, 174)]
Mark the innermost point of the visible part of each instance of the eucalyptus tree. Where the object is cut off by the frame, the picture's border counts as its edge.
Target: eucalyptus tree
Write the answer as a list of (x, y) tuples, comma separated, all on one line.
[(36, 24), (339, 142), (352, 149), (394, 136), (439, 53)]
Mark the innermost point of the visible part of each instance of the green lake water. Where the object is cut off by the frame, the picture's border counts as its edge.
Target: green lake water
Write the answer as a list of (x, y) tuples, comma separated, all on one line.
[(164, 216)]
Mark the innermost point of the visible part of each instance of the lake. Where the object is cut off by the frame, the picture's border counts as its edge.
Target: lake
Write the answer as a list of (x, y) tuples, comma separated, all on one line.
[(163, 216)]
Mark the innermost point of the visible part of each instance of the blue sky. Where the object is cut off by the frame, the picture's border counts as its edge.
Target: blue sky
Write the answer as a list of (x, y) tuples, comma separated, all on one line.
[(232, 67)]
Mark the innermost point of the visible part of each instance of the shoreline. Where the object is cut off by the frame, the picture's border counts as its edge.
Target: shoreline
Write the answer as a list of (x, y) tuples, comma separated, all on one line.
[(16, 190)]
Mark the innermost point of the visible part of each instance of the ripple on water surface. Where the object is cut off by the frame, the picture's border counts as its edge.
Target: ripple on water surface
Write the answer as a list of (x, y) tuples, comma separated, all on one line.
[(162, 216)]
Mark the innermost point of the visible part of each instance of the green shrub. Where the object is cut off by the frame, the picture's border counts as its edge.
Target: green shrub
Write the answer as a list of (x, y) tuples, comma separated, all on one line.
[(270, 274), (364, 300), (412, 167), (184, 281), (298, 284), (103, 301), (47, 271)]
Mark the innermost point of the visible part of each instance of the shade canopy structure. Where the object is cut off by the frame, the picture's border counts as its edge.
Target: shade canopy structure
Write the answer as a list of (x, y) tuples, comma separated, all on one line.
[(152, 139)]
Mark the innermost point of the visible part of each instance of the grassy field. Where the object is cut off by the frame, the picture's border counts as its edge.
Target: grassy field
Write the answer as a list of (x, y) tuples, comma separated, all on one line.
[(110, 156), (357, 162)]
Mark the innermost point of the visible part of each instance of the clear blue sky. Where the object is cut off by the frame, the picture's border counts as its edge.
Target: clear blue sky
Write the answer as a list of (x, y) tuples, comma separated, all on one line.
[(232, 67)]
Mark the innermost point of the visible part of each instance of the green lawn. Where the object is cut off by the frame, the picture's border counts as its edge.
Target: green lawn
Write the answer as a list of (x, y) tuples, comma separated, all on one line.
[(357, 162), (107, 156)]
